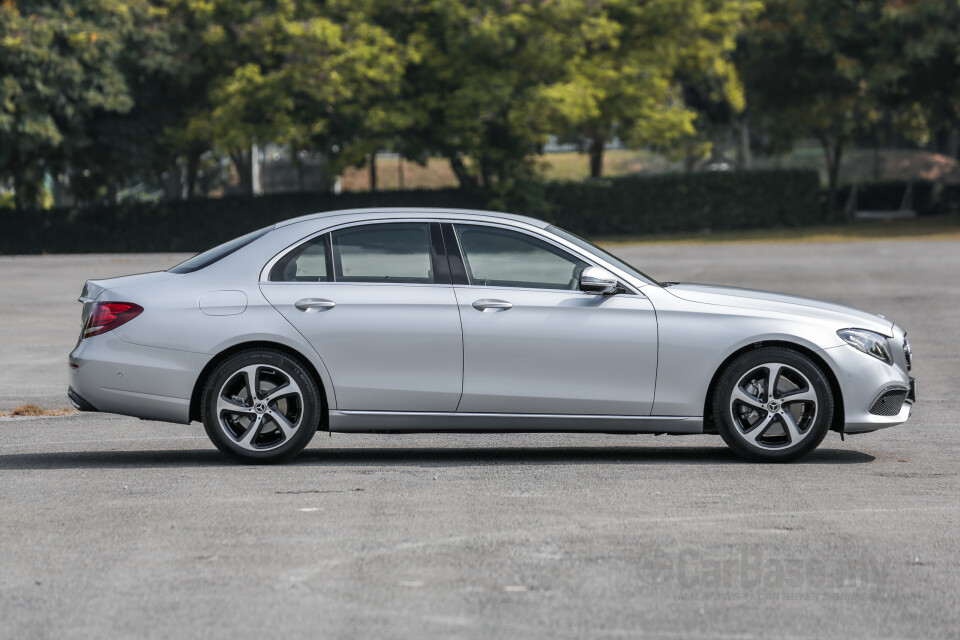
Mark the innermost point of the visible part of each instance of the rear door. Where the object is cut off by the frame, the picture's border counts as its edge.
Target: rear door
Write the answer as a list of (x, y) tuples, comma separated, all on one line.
[(533, 342), (376, 302)]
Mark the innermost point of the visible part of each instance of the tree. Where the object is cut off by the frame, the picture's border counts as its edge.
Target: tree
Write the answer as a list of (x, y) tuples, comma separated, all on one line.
[(472, 87), (298, 73), (59, 70), (922, 65), (136, 146), (821, 69), (628, 75)]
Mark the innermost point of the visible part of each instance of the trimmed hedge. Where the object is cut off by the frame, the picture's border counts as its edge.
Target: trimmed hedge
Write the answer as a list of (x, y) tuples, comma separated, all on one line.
[(639, 205), (928, 197), (635, 205)]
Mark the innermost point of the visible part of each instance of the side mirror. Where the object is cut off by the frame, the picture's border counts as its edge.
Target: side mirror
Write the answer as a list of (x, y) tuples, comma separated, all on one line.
[(598, 281)]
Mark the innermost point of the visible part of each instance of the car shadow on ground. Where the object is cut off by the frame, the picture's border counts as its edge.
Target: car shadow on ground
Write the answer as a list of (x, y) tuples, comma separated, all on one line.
[(417, 456)]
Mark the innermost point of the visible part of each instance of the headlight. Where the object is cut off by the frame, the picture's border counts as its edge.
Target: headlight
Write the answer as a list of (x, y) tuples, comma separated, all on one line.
[(869, 342)]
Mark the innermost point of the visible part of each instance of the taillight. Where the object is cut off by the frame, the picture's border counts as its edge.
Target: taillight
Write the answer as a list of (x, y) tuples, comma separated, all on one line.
[(107, 316)]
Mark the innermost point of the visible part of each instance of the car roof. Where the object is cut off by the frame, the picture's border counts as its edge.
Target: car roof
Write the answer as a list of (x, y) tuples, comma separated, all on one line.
[(407, 212)]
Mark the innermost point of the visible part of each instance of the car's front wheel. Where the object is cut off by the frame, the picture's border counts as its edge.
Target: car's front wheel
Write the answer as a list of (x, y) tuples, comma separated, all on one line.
[(260, 406), (773, 404)]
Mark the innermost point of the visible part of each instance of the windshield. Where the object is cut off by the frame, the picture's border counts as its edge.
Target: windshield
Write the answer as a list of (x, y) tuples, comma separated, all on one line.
[(207, 258), (606, 255)]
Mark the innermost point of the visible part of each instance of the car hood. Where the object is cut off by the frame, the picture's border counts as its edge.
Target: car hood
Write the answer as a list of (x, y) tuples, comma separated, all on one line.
[(781, 302), (93, 288)]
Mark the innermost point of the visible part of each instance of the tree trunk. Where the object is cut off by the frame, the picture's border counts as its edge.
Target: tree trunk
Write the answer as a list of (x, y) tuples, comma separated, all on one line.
[(373, 172), (485, 175), (193, 166), (400, 180), (876, 159), (19, 193), (953, 144), (744, 155), (466, 180), (596, 155), (243, 162), (690, 159), (833, 153)]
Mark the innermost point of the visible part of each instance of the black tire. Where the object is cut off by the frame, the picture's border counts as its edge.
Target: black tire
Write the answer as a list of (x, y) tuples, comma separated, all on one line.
[(299, 408), (741, 423)]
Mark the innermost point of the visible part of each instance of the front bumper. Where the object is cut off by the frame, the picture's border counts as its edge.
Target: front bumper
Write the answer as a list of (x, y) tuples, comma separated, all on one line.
[(863, 382)]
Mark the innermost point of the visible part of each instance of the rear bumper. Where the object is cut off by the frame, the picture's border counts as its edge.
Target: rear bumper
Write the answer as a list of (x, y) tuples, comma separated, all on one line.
[(114, 376), (78, 401)]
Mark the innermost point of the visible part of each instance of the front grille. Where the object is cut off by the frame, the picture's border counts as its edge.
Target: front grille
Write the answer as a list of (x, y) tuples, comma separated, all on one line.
[(889, 403)]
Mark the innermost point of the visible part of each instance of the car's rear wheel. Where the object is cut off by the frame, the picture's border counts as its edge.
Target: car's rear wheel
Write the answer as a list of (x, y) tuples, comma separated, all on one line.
[(261, 406), (773, 404)]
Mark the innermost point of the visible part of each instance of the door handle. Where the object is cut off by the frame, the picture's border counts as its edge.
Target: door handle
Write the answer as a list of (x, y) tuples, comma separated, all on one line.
[(492, 305), (314, 304)]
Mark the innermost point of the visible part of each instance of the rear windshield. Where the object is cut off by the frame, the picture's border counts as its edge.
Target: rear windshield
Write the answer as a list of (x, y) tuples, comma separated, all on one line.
[(207, 258)]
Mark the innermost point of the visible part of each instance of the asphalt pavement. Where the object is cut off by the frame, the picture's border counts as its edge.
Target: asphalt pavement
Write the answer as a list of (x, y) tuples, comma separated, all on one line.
[(111, 527)]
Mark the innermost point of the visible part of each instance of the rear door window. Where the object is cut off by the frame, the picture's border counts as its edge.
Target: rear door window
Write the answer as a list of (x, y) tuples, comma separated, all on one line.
[(388, 253), (310, 262)]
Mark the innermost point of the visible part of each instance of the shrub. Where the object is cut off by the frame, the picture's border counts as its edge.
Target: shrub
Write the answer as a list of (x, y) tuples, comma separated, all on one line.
[(635, 205), (887, 195)]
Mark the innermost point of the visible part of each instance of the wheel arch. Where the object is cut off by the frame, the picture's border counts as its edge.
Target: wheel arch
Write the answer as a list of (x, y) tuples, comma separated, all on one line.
[(709, 425), (215, 361)]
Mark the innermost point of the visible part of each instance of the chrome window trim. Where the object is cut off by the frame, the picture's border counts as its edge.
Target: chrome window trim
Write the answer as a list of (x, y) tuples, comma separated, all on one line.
[(484, 287), (359, 284)]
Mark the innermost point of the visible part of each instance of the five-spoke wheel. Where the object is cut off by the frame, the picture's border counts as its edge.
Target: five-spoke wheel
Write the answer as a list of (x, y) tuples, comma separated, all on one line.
[(773, 404), (261, 406)]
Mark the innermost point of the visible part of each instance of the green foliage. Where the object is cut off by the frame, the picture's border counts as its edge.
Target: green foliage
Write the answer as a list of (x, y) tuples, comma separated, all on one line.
[(632, 206), (490, 81), (112, 93), (60, 66), (921, 62), (812, 63), (852, 70), (626, 76), (308, 74), (473, 84), (813, 69)]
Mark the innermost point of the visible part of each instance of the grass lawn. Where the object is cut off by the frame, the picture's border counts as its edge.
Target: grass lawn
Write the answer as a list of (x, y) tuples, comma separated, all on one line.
[(945, 227)]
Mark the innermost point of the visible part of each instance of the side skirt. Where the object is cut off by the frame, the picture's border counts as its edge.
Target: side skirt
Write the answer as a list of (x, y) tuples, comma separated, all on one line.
[(437, 422)]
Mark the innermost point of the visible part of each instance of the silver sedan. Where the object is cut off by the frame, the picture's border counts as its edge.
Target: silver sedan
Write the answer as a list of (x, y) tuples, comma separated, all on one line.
[(418, 320)]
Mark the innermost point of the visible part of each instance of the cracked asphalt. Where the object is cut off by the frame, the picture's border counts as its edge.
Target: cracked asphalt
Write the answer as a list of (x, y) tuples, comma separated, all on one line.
[(113, 527)]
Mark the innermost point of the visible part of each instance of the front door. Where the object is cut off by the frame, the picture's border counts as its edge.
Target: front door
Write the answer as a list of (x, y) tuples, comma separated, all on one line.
[(382, 316), (533, 343)]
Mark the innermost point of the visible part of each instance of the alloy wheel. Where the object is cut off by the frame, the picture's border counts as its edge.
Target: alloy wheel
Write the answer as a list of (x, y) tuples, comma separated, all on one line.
[(773, 406), (260, 407)]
